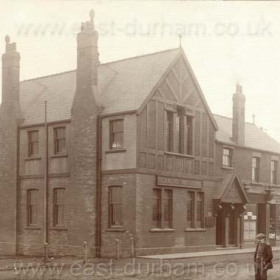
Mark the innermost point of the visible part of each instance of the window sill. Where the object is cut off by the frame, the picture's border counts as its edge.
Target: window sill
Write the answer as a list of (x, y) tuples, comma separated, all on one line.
[(33, 228), (115, 151), (33, 158), (162, 230), (254, 183), (195, 229), (179, 155), (59, 228), (115, 229), (227, 167), (59, 156)]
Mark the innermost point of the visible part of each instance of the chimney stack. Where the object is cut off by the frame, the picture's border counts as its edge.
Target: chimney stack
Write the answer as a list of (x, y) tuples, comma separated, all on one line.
[(10, 80), (86, 94), (238, 116)]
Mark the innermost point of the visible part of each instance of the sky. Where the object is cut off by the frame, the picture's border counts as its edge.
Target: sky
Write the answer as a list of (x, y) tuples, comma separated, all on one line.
[(225, 42)]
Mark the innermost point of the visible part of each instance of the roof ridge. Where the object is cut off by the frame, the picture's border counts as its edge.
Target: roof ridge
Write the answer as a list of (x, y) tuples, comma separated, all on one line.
[(218, 115), (106, 63), (138, 56)]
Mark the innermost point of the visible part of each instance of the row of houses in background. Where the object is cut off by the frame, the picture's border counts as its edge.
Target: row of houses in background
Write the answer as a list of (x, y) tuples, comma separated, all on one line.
[(129, 150)]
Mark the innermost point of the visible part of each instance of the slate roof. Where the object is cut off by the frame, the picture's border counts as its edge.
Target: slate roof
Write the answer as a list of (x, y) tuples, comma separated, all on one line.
[(123, 86), (255, 138)]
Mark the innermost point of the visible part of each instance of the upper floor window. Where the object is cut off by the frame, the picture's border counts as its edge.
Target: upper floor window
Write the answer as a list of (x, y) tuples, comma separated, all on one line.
[(162, 208), (227, 157), (32, 207), (115, 206), (58, 207), (59, 140), (33, 142), (179, 133), (273, 172), (255, 169), (116, 134)]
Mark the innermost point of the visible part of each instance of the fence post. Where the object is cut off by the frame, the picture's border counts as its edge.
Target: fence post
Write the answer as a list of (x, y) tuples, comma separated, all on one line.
[(117, 249), (132, 246), (85, 252), (46, 252)]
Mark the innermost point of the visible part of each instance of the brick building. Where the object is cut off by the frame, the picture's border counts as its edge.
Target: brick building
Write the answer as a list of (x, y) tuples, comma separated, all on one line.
[(128, 150)]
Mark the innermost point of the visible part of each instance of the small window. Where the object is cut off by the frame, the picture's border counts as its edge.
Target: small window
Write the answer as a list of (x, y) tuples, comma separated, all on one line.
[(116, 134), (58, 207), (200, 210), (255, 169), (32, 207), (59, 140), (273, 172), (115, 206), (227, 157), (33, 143)]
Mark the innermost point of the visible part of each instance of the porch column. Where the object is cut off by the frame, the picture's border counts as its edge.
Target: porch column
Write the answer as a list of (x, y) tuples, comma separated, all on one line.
[(241, 240), (226, 232)]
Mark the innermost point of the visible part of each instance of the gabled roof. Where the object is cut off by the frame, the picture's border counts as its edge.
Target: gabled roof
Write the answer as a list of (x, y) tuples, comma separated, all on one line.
[(255, 138), (227, 184), (123, 86)]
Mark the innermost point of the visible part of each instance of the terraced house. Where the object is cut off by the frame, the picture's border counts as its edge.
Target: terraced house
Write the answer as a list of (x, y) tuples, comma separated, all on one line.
[(129, 150)]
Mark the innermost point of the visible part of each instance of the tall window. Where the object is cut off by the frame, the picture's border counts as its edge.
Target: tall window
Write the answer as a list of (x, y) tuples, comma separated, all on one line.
[(59, 140), (179, 133), (189, 137), (273, 172), (227, 157), (169, 131), (195, 209), (162, 208), (58, 207), (33, 142), (116, 134), (115, 206), (200, 210), (255, 169), (156, 208), (32, 207), (250, 222), (167, 208), (190, 209)]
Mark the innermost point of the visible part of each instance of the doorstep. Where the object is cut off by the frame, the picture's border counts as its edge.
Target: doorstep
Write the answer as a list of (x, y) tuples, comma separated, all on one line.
[(218, 252)]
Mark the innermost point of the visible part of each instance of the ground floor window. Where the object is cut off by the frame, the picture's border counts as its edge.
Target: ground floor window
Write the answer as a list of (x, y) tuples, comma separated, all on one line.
[(115, 206), (274, 225), (162, 208), (195, 209), (250, 222)]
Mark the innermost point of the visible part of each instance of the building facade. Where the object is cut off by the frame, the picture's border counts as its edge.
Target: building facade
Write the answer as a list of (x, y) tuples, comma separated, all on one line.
[(129, 151)]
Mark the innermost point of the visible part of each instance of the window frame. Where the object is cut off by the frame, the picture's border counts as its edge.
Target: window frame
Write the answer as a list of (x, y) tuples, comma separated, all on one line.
[(113, 133), (32, 142), (227, 160), (193, 223), (56, 206), (32, 208), (273, 171), (112, 211), (256, 169), (162, 223), (58, 139)]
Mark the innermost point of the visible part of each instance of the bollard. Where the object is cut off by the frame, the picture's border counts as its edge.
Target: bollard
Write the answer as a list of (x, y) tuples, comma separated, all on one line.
[(117, 249), (132, 246), (46, 253), (85, 252)]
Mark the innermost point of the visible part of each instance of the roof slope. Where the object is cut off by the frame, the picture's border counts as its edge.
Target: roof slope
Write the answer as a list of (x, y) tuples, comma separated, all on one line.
[(123, 85), (255, 138)]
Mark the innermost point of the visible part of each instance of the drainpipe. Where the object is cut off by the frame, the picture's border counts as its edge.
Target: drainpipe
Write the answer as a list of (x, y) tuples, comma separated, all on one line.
[(98, 184), (46, 194)]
